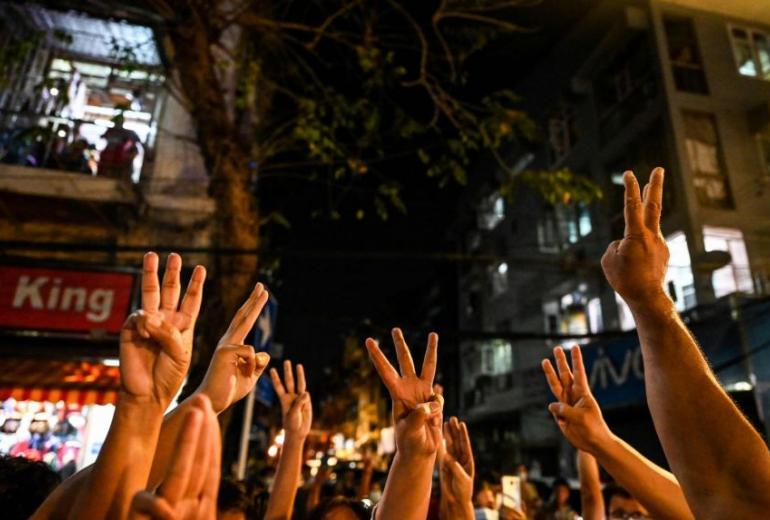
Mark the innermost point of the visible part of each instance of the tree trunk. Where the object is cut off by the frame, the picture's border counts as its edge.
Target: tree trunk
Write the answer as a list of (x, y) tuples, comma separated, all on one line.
[(236, 219)]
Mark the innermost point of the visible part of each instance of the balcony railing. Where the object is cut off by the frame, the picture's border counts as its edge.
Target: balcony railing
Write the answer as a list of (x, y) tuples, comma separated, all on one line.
[(95, 147)]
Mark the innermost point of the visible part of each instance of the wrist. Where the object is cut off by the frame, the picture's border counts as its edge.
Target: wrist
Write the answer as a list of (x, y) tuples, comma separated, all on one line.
[(141, 407), (293, 440), (463, 509), (656, 302)]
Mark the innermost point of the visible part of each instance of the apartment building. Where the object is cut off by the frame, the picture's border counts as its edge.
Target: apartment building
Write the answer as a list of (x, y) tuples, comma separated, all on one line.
[(632, 85)]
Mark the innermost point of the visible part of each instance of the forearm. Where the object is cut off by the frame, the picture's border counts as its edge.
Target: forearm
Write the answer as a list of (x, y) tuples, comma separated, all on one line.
[(454, 511), (685, 400), (169, 433), (591, 499), (655, 488), (124, 462), (407, 489), (366, 483), (287, 475)]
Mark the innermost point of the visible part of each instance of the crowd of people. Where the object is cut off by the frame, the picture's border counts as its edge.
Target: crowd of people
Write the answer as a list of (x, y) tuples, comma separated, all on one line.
[(156, 467)]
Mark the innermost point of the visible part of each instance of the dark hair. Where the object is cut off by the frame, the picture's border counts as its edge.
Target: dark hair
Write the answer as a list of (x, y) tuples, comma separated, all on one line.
[(361, 510), (24, 485), (232, 496), (561, 481), (613, 490)]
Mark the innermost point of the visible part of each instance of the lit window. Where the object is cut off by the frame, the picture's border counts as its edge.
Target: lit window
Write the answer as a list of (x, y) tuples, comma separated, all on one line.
[(751, 49), (624, 313), (499, 278), (491, 211), (736, 276), (595, 319), (679, 277), (562, 133), (705, 158), (496, 358)]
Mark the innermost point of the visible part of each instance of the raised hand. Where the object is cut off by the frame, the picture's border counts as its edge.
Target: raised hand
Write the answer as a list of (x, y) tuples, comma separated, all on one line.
[(577, 413), (636, 265), (456, 471), (189, 490), (296, 407), (235, 367), (156, 342), (416, 409)]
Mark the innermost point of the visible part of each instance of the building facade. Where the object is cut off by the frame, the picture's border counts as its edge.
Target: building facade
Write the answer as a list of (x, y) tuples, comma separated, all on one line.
[(633, 85)]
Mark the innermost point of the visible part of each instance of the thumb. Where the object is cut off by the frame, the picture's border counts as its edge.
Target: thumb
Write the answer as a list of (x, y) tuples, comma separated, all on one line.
[(299, 402), (167, 336), (563, 411), (417, 418), (148, 505)]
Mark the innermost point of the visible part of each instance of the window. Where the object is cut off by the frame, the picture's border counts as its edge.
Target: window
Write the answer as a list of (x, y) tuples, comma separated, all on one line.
[(498, 276), (624, 314), (562, 226), (736, 276), (496, 358), (562, 133), (684, 56), (679, 277), (751, 49), (491, 211), (595, 319), (704, 154)]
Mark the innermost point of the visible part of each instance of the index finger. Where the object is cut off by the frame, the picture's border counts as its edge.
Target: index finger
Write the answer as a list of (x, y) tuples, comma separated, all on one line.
[(428, 372), (150, 283), (247, 315), (632, 208), (381, 364), (553, 380), (653, 202), (193, 296)]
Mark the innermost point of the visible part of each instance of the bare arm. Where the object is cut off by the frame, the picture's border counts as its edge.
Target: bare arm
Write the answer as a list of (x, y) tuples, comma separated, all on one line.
[(417, 416), (297, 419), (655, 488), (721, 462), (591, 499), (580, 420)]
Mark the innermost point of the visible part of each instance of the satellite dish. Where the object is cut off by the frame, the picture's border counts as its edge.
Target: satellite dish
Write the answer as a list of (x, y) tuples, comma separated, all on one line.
[(709, 261)]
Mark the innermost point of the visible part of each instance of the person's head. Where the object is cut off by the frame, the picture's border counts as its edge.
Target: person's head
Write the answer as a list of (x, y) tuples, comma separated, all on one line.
[(233, 500), (522, 472), (118, 120), (621, 505), (24, 485), (484, 496), (340, 508), (561, 492)]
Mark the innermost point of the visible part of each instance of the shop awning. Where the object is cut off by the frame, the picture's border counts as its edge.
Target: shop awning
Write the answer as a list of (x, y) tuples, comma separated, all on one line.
[(75, 382)]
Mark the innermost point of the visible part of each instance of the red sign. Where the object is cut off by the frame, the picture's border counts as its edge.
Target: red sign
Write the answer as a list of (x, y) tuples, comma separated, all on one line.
[(64, 299)]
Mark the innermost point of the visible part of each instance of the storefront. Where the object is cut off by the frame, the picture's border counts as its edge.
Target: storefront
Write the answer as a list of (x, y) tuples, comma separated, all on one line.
[(59, 331)]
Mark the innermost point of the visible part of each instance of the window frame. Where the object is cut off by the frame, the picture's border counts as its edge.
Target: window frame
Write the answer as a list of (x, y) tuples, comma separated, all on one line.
[(750, 30)]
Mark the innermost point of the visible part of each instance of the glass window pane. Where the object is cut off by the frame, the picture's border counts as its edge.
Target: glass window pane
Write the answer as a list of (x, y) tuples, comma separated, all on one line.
[(762, 45)]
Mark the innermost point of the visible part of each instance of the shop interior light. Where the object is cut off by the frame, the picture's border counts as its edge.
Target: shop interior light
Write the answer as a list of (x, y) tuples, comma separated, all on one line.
[(280, 438), (111, 362), (332, 461), (272, 451)]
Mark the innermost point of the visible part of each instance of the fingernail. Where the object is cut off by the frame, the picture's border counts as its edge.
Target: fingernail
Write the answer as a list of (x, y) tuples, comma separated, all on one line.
[(262, 359), (434, 406)]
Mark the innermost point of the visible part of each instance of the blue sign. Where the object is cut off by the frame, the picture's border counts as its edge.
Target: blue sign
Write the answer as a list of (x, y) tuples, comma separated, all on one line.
[(262, 337), (615, 371)]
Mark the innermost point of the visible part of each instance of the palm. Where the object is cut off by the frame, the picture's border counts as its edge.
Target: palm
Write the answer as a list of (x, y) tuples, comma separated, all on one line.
[(296, 407), (156, 343), (408, 391), (234, 367)]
